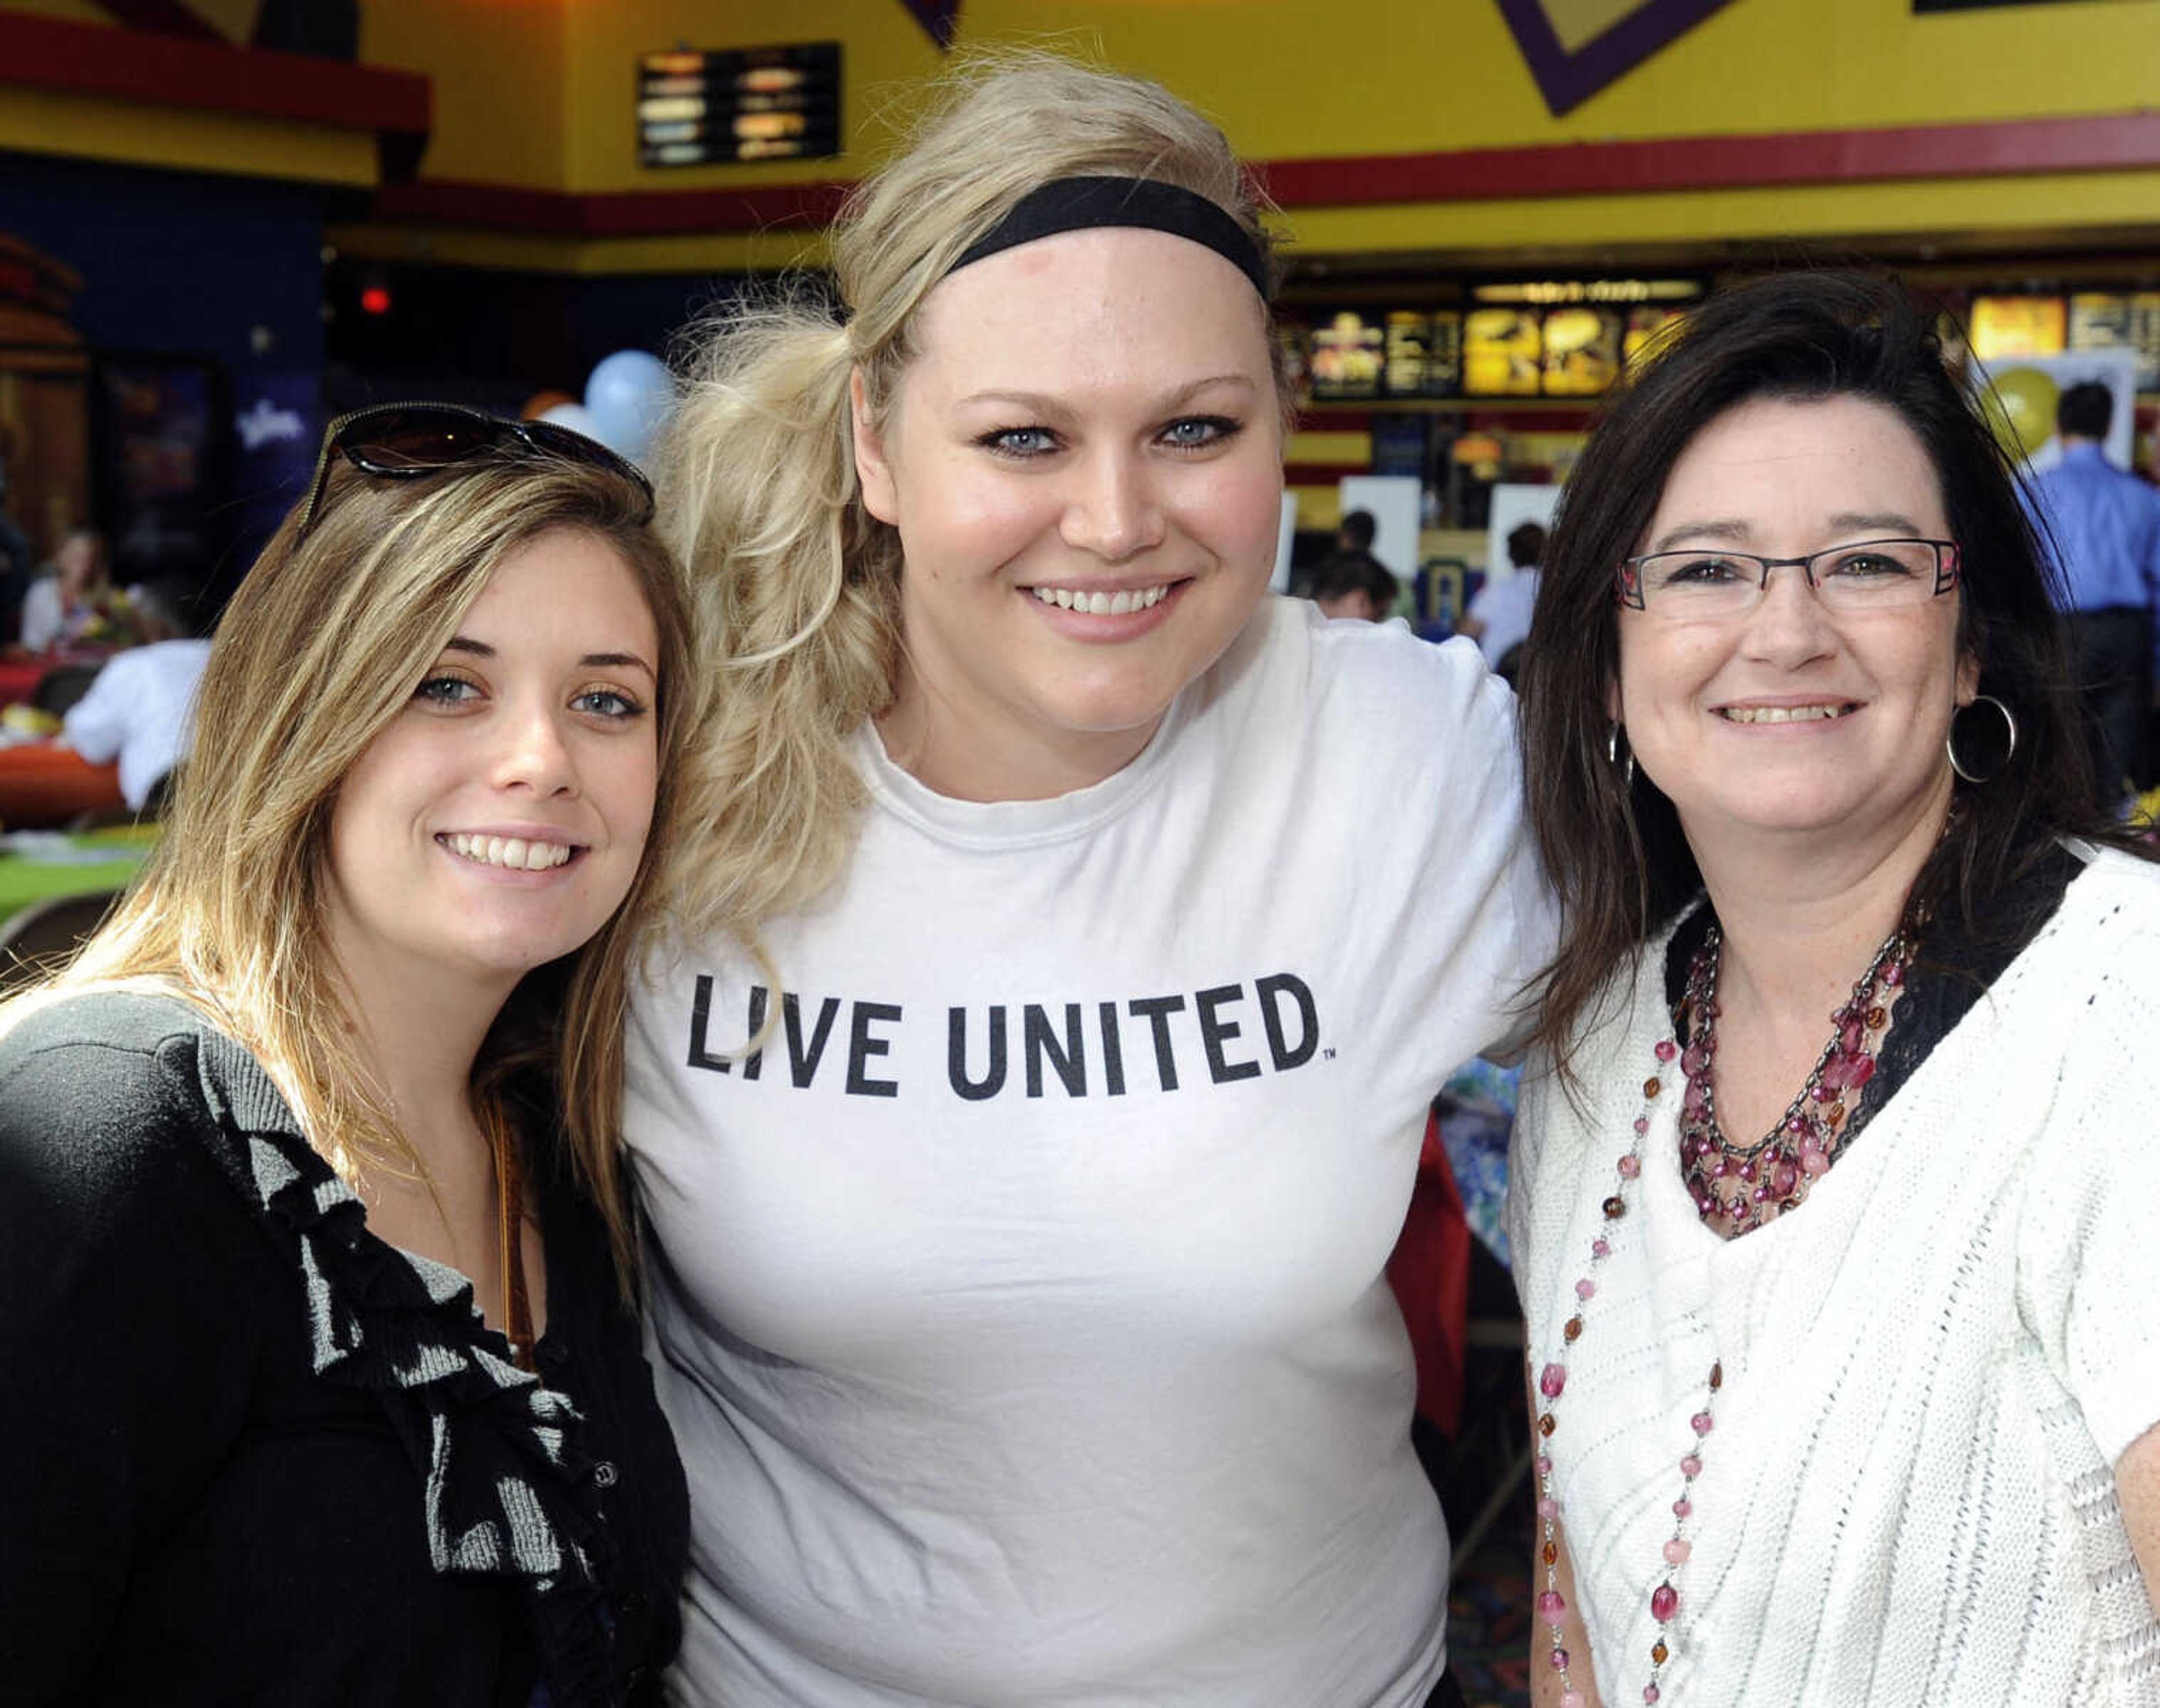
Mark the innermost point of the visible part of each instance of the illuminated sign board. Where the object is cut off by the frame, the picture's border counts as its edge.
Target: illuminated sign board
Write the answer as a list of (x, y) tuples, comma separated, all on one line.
[(744, 104)]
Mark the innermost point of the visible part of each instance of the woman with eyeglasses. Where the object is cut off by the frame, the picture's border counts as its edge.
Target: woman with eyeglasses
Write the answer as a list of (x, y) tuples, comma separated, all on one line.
[(318, 1378), (1833, 1183)]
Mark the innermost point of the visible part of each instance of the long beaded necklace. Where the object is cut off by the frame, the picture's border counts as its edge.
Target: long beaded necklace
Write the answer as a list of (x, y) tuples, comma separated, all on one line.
[(1746, 1186), (1766, 1178)]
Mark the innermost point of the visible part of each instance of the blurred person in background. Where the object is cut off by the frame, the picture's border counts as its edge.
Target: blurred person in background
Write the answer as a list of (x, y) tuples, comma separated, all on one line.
[(1832, 1184), (1498, 619), (323, 1384), (1355, 584), (2102, 527), (1356, 532), (140, 707), (76, 600), (1028, 1109)]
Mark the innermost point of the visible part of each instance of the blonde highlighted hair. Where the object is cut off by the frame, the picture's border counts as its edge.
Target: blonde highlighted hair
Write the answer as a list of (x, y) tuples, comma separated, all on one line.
[(321, 647), (798, 585)]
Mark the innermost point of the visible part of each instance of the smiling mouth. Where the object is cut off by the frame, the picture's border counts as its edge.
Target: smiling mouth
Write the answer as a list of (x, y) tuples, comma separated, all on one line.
[(1097, 603), (515, 854), (1786, 714)]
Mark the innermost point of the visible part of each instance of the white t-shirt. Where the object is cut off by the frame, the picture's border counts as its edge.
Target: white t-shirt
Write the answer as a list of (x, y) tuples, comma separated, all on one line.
[(1505, 607), (1931, 1368), (44, 616), (140, 707), (1020, 1309)]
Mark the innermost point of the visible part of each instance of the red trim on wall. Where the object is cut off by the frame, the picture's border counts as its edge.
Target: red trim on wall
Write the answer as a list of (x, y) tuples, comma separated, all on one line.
[(1322, 474), (1333, 418), (1479, 415), (2012, 148), (2107, 142), (163, 71), (636, 213)]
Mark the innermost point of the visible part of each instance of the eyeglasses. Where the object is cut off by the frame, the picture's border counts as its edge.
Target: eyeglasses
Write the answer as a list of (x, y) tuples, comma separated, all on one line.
[(406, 441), (1871, 575)]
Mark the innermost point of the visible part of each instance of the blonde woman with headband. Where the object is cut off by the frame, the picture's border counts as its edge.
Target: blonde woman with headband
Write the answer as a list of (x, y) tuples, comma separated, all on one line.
[(321, 1382), (1079, 936)]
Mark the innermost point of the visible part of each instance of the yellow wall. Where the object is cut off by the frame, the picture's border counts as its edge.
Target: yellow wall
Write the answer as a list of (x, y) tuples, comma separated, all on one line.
[(500, 83), (69, 11), (1439, 74), (540, 94), (1447, 73), (1443, 75)]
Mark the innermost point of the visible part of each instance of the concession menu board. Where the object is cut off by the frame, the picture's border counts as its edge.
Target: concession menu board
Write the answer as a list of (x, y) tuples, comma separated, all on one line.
[(2120, 321), (2007, 326), (1582, 350), (1346, 356), (703, 109), (1524, 337), (1423, 353), (1502, 352)]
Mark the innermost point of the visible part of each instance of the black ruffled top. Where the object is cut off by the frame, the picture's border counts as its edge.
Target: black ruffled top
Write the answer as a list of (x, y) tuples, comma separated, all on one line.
[(273, 1459)]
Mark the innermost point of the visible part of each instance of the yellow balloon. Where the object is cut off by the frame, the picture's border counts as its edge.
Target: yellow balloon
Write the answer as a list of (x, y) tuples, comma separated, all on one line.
[(2026, 420)]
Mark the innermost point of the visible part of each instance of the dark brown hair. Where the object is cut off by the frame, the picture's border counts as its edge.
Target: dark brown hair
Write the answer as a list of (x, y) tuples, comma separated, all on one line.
[(1614, 850), (2085, 410)]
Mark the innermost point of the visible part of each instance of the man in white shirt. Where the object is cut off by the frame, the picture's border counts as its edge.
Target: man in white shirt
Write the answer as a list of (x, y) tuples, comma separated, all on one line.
[(141, 708), (1499, 618)]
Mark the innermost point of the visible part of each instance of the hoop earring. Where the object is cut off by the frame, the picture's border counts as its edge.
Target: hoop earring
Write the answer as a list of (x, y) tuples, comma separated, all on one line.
[(1612, 757), (1983, 775)]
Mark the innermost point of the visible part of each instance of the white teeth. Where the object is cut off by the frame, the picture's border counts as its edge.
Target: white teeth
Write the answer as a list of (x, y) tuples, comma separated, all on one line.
[(1101, 605), (514, 852), (1780, 714)]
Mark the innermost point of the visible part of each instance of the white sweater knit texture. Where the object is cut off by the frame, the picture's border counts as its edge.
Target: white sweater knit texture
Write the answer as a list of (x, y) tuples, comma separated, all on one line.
[(1930, 1368)]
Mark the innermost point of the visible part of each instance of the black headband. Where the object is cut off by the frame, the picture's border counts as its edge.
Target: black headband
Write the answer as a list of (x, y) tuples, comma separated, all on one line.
[(1089, 204)]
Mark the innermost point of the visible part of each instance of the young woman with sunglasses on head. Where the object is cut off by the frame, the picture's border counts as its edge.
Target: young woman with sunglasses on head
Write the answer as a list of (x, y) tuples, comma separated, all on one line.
[(1025, 1130), (321, 1383), (1832, 1183)]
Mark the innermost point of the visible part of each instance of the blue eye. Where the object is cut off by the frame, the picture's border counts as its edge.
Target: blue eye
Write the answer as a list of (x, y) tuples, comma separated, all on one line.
[(1197, 432), (1019, 442), (446, 690), (609, 703)]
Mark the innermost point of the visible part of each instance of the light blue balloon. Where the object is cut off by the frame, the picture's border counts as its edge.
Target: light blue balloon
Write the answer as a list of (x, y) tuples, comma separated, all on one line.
[(629, 395), (575, 417)]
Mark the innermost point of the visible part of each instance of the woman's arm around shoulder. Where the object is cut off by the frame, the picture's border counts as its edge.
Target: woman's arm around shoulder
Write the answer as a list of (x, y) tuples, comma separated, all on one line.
[(123, 1374)]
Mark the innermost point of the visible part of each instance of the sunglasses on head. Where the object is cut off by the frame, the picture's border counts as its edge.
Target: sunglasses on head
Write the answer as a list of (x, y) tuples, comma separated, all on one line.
[(406, 441)]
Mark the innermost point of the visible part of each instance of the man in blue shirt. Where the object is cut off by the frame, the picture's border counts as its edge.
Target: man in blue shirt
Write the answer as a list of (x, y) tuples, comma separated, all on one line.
[(2104, 527)]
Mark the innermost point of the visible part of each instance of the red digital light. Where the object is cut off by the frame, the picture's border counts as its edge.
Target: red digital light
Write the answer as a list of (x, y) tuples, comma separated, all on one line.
[(375, 300)]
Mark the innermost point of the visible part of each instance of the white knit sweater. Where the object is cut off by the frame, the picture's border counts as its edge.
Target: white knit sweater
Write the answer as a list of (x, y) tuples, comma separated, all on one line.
[(1930, 1368)]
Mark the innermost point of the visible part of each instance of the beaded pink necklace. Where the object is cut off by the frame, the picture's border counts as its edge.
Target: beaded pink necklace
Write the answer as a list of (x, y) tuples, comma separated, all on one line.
[(1748, 1185), (1765, 1179)]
